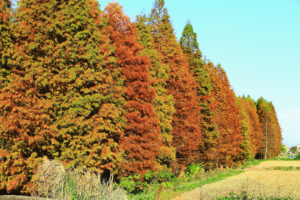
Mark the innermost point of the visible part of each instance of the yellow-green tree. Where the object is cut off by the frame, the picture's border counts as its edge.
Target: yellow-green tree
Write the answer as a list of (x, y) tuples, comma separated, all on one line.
[(271, 129), (247, 145), (6, 38), (163, 103), (181, 84), (226, 118), (190, 48)]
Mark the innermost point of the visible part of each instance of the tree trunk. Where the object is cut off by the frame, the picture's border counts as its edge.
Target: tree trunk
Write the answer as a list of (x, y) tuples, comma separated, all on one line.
[(266, 152)]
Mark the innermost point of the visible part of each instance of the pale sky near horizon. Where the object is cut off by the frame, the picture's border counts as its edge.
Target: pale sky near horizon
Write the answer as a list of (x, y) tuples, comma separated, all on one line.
[(257, 42)]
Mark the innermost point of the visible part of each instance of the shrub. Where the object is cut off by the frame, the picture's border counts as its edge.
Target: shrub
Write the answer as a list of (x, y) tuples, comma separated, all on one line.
[(193, 169), (297, 157), (135, 184)]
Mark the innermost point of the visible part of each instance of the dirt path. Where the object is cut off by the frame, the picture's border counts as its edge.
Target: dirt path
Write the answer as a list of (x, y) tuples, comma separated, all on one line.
[(256, 180)]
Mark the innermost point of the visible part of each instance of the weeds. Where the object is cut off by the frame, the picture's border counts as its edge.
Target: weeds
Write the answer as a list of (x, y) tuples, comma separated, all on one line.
[(282, 168), (70, 185), (52, 181), (194, 178), (297, 157)]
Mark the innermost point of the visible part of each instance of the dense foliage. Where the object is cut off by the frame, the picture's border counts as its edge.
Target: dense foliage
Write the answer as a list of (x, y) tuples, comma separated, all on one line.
[(226, 117), (190, 47), (181, 85), (89, 87), (271, 129), (6, 38)]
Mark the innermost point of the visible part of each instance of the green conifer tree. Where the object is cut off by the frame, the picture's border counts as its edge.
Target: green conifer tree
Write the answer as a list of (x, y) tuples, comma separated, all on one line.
[(6, 25), (181, 84), (257, 133), (271, 128), (264, 115), (277, 141), (226, 117), (5, 42), (190, 48), (247, 145), (164, 104)]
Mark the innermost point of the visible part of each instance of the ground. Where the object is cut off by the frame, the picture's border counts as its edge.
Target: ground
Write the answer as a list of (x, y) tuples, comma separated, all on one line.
[(256, 180)]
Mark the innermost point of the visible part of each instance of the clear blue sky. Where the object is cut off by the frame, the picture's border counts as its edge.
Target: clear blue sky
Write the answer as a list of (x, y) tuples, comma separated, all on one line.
[(257, 42)]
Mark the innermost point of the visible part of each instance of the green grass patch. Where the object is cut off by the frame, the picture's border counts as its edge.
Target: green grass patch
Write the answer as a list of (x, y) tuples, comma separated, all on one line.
[(284, 168), (287, 158), (193, 179)]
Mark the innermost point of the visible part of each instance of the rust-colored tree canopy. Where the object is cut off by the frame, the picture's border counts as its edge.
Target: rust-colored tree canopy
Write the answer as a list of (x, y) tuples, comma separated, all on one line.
[(247, 132), (163, 103), (90, 88), (141, 135), (257, 133), (270, 127), (190, 48), (226, 117), (6, 39), (181, 85)]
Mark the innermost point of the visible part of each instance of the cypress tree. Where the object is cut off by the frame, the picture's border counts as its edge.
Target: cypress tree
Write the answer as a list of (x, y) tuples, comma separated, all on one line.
[(277, 141), (190, 48), (263, 112), (6, 25), (140, 141), (181, 84), (163, 103), (271, 128), (257, 133), (226, 117), (58, 102), (5, 42), (247, 145)]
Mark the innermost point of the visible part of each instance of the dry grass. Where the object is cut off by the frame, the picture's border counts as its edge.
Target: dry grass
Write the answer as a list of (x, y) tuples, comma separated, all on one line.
[(52, 181), (255, 181), (276, 163)]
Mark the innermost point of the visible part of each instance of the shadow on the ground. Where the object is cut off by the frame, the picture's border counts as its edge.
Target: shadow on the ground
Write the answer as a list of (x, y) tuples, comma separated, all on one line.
[(4, 192)]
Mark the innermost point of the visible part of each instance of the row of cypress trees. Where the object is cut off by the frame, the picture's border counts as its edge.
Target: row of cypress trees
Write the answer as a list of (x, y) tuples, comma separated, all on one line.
[(90, 87)]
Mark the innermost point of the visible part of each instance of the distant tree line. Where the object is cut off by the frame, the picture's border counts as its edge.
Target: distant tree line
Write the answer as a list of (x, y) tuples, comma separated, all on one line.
[(86, 86)]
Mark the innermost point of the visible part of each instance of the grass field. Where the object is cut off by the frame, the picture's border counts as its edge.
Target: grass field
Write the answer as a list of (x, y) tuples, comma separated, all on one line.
[(256, 180), (279, 178)]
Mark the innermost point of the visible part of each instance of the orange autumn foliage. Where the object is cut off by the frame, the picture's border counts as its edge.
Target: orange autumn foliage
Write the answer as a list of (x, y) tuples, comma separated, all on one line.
[(141, 135), (181, 84), (257, 133), (226, 117)]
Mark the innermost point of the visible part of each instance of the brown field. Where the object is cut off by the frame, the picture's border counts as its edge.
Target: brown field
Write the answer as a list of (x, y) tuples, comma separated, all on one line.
[(256, 180)]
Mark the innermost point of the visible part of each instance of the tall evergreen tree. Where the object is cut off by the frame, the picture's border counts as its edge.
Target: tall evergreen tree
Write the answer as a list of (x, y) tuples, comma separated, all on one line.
[(6, 25), (163, 103), (257, 133), (277, 141), (140, 141), (181, 84), (271, 128), (190, 48), (58, 102), (247, 144), (5, 42), (228, 123), (264, 114)]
